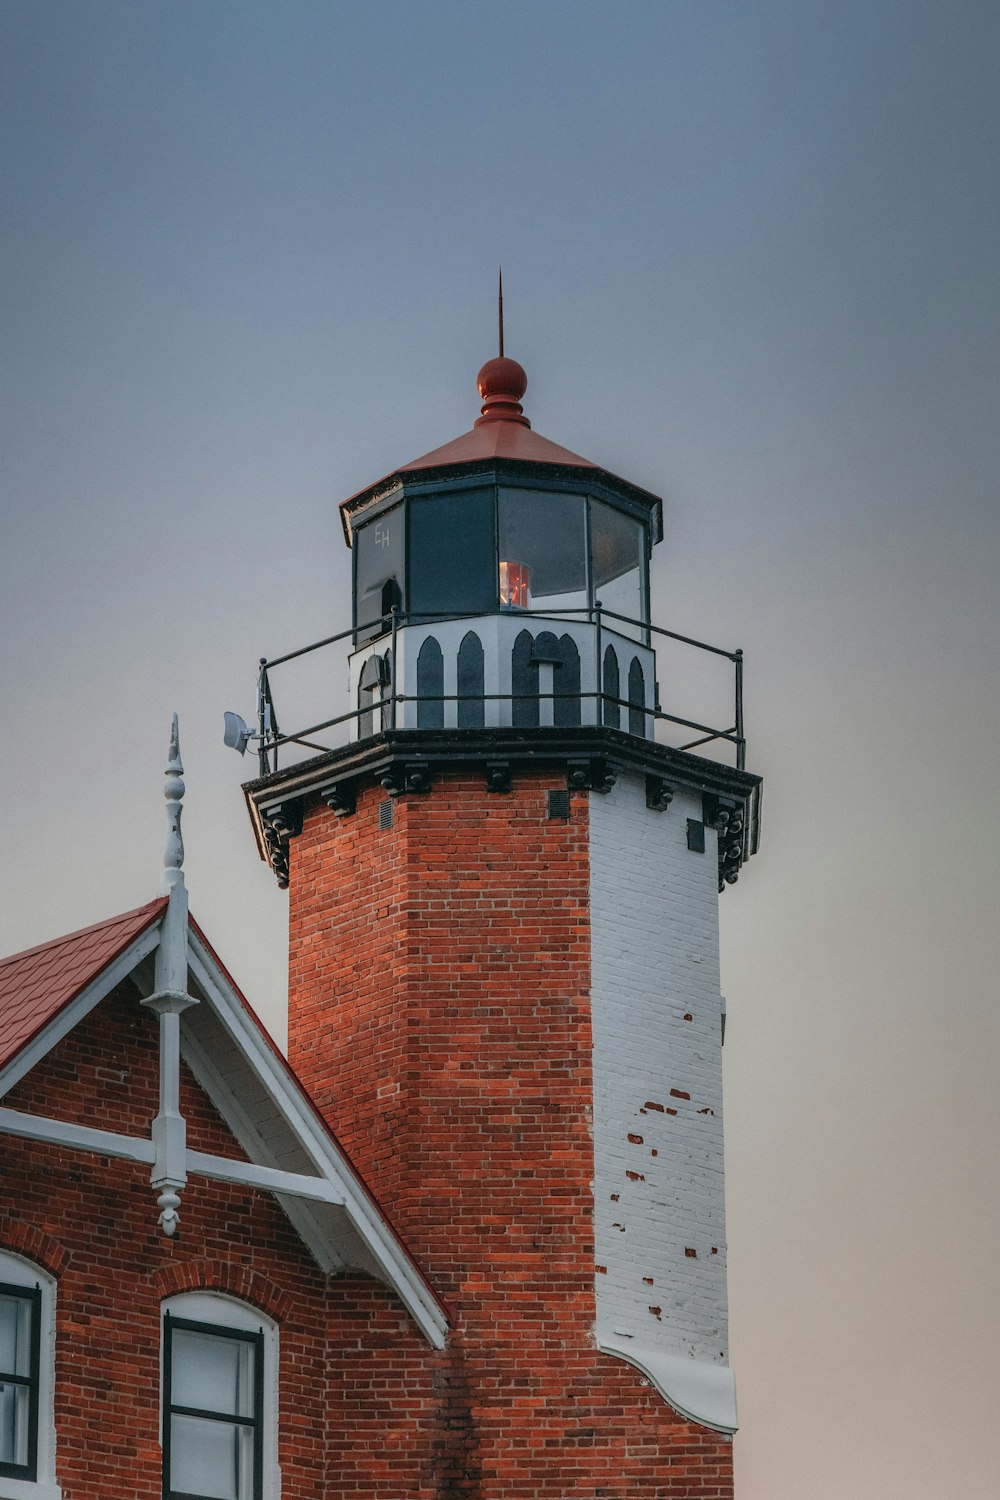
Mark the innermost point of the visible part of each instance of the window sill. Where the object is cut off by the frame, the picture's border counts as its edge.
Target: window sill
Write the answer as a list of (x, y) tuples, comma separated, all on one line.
[(29, 1489)]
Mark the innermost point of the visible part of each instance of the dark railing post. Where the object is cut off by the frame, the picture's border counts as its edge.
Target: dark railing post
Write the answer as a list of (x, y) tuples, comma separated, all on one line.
[(599, 678), (262, 761), (741, 747), (392, 667)]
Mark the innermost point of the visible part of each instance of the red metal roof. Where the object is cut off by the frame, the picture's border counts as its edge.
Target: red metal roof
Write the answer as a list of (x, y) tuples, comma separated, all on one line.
[(37, 984), (498, 439), (501, 432)]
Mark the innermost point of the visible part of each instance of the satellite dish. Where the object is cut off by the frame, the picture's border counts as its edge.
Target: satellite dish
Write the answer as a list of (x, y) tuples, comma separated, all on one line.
[(238, 734)]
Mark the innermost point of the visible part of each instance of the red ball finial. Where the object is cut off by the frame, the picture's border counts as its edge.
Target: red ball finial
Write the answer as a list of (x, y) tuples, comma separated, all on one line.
[(502, 382)]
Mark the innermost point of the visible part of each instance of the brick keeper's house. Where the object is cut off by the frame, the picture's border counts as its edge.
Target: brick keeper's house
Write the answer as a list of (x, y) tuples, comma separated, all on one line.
[(468, 1241)]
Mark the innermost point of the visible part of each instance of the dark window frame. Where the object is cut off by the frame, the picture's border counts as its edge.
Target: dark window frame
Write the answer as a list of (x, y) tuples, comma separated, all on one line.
[(256, 1422), (33, 1296)]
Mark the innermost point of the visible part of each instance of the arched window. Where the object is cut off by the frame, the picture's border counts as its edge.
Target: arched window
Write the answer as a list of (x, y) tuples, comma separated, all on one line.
[(220, 1400), (375, 675), (612, 714), (566, 683), (27, 1365), (471, 682), (524, 681), (430, 686), (636, 698)]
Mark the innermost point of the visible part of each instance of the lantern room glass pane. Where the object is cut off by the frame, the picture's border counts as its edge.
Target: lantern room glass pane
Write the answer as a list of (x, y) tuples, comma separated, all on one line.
[(618, 553), (452, 554), (380, 551), (543, 551)]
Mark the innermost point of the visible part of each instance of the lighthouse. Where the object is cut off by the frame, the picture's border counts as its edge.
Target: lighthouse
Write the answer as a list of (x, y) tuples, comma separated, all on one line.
[(504, 878)]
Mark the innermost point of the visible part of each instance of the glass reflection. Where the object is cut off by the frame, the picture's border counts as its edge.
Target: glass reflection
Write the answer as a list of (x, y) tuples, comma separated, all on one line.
[(543, 550), (213, 1460), (15, 1398), (617, 547), (14, 1412), (15, 1336), (213, 1373)]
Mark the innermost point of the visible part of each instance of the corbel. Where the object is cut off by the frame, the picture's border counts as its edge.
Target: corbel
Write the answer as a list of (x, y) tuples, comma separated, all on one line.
[(498, 776), (589, 773), (281, 821), (406, 776), (659, 794), (341, 798), (727, 818)]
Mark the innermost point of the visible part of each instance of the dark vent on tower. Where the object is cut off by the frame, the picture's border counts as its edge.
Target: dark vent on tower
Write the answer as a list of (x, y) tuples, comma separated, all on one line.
[(385, 814), (558, 804)]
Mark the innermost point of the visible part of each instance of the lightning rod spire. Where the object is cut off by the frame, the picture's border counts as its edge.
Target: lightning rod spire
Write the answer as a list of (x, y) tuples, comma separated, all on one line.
[(173, 791), (500, 310)]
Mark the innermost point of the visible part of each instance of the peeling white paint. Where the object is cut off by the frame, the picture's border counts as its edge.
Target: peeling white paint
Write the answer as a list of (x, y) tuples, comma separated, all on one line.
[(659, 1204)]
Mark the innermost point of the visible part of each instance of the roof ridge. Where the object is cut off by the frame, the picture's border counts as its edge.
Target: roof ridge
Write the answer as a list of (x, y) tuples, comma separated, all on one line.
[(82, 932)]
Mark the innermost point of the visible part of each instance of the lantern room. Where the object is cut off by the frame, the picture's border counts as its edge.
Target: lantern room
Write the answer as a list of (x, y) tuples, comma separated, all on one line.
[(502, 580), (468, 547)]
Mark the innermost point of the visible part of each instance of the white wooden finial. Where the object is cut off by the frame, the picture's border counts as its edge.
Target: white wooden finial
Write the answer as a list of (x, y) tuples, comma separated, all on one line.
[(173, 791), (169, 1000)]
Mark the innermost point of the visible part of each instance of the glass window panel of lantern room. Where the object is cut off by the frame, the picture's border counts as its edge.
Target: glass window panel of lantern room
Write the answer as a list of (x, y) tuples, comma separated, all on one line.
[(618, 561), (545, 533), (380, 548), (452, 567)]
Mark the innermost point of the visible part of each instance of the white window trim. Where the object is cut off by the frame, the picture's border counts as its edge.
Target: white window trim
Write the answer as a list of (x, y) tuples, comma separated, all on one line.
[(18, 1271), (227, 1312)]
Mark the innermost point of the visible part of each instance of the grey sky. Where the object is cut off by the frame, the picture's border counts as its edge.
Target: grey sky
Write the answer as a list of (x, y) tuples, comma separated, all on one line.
[(750, 255)]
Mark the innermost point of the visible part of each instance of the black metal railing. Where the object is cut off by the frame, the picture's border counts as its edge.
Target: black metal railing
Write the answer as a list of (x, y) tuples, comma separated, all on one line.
[(270, 739)]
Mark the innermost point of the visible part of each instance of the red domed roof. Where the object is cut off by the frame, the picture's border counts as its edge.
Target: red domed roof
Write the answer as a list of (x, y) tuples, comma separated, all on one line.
[(502, 431)]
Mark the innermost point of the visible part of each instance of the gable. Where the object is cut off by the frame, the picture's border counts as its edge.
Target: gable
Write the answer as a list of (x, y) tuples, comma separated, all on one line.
[(68, 975), (89, 1076), (106, 1071)]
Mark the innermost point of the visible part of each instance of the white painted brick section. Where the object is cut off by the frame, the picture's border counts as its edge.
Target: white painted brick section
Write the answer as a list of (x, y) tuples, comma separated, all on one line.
[(659, 1189)]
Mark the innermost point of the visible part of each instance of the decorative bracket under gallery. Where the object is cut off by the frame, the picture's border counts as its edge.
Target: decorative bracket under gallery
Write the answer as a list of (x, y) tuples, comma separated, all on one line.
[(280, 822), (729, 821), (589, 773), (404, 763)]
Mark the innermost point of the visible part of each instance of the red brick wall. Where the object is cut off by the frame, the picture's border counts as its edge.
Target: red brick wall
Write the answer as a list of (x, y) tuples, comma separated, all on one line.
[(91, 1222), (439, 1013)]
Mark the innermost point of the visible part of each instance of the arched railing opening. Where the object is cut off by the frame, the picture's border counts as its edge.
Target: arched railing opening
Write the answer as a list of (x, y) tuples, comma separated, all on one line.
[(524, 683), (566, 683), (611, 713), (636, 698), (430, 685), (471, 682)]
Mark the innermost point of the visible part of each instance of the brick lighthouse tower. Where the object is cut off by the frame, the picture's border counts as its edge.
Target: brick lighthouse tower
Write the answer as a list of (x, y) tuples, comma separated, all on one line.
[(504, 984)]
